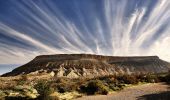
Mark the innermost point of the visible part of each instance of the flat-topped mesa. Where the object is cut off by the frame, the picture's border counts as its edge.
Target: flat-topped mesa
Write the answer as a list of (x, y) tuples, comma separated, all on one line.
[(91, 56), (89, 65)]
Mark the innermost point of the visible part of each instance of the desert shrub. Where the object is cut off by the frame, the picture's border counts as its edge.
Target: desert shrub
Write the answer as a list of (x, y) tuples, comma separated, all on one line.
[(67, 87), (44, 89), (112, 83), (128, 79), (106, 77), (151, 78), (61, 80), (62, 88), (7, 86), (141, 77), (24, 77), (63, 85), (166, 78), (115, 85), (22, 80), (94, 87), (2, 95)]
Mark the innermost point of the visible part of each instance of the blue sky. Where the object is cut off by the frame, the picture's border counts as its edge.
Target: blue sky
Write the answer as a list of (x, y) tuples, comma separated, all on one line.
[(109, 27), (7, 67)]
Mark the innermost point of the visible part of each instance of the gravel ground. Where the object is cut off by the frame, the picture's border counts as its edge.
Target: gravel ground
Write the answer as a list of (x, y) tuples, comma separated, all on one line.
[(152, 91)]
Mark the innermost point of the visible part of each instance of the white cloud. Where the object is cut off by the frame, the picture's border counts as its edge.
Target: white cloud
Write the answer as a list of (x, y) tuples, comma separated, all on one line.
[(62, 35)]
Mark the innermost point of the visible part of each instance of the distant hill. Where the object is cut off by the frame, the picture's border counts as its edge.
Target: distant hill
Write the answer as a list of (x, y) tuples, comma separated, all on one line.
[(88, 65)]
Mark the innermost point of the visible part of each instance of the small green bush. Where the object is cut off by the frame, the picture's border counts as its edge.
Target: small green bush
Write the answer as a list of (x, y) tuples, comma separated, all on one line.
[(62, 88), (44, 89), (2, 95), (63, 85), (66, 87), (94, 87)]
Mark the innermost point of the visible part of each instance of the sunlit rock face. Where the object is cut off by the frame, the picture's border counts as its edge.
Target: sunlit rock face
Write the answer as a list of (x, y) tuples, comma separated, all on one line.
[(87, 65)]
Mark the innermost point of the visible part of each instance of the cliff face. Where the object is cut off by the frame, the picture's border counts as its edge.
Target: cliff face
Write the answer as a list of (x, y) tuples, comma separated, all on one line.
[(87, 65)]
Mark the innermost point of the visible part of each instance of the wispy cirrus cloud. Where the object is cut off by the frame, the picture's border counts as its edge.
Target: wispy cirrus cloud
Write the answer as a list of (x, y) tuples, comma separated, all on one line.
[(111, 27)]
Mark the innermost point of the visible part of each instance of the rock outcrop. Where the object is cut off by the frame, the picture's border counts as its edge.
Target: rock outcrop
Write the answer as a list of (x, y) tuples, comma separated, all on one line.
[(87, 65)]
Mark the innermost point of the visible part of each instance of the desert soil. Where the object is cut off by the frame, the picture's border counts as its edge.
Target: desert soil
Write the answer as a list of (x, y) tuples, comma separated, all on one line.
[(151, 91)]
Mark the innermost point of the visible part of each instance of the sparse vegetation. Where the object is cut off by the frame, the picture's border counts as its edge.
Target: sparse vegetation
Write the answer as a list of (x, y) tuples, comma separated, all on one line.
[(94, 87), (165, 78), (128, 79), (44, 89), (63, 86)]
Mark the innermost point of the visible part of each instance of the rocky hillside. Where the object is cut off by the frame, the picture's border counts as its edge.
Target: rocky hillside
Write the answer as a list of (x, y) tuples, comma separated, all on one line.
[(87, 65)]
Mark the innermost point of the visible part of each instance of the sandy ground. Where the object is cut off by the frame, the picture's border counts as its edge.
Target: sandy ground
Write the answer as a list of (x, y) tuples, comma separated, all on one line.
[(152, 91)]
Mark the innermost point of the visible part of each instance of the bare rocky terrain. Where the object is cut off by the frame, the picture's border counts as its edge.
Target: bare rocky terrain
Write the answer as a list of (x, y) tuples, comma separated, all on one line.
[(88, 65)]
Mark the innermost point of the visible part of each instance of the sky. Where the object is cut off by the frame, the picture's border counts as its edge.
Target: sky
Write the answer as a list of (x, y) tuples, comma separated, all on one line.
[(107, 27)]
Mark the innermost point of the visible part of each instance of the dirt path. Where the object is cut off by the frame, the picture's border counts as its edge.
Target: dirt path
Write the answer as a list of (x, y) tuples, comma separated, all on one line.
[(153, 91)]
